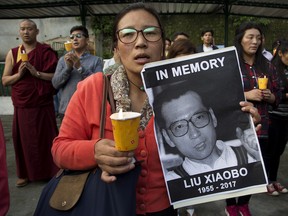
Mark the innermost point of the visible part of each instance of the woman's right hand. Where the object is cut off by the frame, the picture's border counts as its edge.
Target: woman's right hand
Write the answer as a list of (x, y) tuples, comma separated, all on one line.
[(112, 161), (254, 95)]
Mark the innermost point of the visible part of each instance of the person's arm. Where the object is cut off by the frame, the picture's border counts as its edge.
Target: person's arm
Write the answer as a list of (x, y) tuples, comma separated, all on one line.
[(268, 96), (8, 78), (274, 96), (96, 66), (249, 108), (253, 95), (78, 145), (39, 74), (73, 148), (62, 74), (48, 58)]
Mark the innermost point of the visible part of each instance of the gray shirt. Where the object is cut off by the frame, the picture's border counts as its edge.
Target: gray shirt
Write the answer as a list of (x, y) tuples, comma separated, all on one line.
[(65, 79)]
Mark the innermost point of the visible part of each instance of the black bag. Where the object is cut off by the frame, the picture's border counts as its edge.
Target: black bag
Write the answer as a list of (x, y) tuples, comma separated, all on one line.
[(98, 198), (76, 193)]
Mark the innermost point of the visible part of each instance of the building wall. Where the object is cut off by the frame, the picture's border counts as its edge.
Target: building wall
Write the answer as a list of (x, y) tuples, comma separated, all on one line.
[(49, 28)]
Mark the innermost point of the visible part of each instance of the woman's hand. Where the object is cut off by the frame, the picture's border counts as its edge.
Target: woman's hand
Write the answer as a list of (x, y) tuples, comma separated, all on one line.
[(254, 95), (112, 161), (268, 96), (248, 107)]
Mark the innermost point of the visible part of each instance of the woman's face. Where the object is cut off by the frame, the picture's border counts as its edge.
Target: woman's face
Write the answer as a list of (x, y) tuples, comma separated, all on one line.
[(251, 42), (134, 55), (284, 57)]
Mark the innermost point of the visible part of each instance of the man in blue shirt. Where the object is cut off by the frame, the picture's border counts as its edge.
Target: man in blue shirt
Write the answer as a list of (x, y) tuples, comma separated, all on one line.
[(74, 66)]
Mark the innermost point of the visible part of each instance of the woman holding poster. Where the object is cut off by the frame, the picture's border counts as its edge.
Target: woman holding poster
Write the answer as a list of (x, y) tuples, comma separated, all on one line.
[(248, 41), (139, 39)]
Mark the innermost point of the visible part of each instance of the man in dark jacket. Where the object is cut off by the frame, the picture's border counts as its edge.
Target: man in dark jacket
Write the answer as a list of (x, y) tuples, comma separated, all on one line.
[(208, 41)]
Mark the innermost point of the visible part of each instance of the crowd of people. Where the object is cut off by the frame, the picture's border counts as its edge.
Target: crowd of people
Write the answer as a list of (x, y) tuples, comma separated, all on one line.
[(138, 38)]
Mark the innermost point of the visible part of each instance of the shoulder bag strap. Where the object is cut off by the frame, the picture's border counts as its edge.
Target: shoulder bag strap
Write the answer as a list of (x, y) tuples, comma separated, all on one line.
[(107, 95)]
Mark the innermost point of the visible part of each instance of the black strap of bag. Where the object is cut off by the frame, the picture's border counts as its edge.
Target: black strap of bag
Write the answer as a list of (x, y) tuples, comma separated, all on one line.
[(107, 95), (72, 183)]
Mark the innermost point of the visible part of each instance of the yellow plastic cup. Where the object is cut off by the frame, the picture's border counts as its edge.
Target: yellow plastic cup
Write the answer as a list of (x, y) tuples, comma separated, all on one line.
[(24, 57), (125, 130), (68, 46), (262, 83)]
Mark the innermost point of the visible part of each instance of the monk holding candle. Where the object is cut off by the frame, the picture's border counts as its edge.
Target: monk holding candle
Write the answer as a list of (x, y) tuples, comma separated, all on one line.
[(34, 123)]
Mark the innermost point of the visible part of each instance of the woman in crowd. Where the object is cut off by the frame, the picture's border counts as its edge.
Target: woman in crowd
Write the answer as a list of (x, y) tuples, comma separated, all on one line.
[(278, 131), (139, 38), (253, 65), (181, 47)]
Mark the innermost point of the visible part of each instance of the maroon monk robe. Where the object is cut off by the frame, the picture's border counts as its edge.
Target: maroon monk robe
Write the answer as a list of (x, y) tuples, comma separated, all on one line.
[(4, 189), (34, 123)]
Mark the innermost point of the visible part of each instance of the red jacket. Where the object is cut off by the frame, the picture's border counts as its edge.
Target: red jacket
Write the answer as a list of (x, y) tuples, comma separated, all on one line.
[(74, 146)]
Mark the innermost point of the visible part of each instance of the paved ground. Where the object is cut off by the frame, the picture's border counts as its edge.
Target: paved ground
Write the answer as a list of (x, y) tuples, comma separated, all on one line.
[(24, 200)]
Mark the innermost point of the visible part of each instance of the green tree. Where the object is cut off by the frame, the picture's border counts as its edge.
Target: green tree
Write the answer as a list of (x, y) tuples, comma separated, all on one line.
[(237, 20), (102, 28)]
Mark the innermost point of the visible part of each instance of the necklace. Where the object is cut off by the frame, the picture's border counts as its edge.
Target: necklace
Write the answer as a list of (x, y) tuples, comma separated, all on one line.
[(141, 88)]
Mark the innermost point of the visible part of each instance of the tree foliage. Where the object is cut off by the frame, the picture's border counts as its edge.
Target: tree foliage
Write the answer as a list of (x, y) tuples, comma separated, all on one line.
[(192, 24), (102, 24), (237, 20), (102, 27)]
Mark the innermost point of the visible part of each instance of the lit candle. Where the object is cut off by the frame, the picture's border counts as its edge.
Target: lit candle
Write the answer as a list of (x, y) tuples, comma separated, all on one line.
[(24, 56), (120, 114)]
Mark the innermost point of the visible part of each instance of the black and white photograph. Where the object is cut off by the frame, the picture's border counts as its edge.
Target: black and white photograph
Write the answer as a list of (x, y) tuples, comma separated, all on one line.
[(207, 146)]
